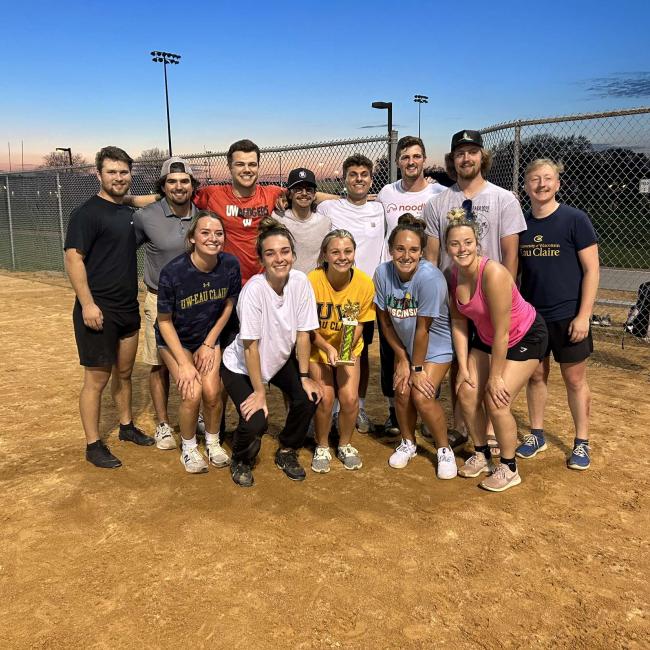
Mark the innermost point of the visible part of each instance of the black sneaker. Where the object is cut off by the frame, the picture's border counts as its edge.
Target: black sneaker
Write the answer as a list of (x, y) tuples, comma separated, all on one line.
[(100, 455), (241, 473), (287, 461), (133, 434)]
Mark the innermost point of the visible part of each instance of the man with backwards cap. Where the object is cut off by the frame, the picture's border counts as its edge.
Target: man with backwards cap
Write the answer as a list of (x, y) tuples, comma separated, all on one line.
[(496, 210), (161, 227), (307, 226)]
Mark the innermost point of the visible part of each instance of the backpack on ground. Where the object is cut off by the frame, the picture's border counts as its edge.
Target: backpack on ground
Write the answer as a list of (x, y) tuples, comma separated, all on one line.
[(638, 318)]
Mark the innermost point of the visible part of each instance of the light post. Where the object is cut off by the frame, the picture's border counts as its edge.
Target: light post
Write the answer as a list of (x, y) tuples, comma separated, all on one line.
[(172, 59), (69, 150), (419, 100), (389, 107)]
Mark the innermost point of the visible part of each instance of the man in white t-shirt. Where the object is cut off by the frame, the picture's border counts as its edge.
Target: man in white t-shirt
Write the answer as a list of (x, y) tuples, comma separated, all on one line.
[(365, 221), (496, 210), (407, 195)]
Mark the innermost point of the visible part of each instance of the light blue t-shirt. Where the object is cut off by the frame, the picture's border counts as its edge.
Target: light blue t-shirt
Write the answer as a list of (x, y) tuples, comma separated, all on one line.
[(425, 294)]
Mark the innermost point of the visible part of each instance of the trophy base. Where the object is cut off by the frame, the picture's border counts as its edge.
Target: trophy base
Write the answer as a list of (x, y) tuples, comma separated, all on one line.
[(343, 362)]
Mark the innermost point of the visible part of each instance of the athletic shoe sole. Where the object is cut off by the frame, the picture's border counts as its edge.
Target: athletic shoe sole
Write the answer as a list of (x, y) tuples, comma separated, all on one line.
[(320, 471), (292, 478), (580, 468), (542, 448)]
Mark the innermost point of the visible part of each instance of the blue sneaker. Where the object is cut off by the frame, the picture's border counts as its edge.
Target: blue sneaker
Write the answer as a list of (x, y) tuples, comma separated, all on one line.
[(531, 446), (580, 455)]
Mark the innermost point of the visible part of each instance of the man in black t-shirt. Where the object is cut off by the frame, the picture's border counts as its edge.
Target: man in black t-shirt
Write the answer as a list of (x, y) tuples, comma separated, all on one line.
[(100, 260)]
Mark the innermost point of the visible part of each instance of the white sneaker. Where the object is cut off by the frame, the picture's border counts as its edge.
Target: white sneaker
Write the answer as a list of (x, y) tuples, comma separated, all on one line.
[(217, 455), (164, 436), (446, 463), (194, 461), (403, 454)]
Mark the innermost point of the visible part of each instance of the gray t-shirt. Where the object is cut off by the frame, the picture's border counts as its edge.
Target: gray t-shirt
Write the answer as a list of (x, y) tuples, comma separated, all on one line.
[(308, 234), (163, 236), (497, 211)]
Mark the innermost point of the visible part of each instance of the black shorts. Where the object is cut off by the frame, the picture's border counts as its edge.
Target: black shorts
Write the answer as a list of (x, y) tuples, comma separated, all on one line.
[(99, 348), (532, 346), (560, 344), (229, 331), (368, 333)]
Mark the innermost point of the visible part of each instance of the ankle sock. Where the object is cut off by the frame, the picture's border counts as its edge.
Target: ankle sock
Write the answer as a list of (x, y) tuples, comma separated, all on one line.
[(483, 449), (190, 444), (211, 438), (126, 427), (580, 441), (510, 462)]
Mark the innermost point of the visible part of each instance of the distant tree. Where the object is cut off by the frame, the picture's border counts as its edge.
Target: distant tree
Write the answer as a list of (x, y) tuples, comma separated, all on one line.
[(146, 170), (61, 159)]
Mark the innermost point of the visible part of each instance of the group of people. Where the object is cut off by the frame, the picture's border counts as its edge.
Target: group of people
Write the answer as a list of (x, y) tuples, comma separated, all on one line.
[(250, 285)]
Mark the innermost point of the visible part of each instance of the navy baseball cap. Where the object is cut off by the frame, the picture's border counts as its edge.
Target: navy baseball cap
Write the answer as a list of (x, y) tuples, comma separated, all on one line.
[(301, 176), (466, 137)]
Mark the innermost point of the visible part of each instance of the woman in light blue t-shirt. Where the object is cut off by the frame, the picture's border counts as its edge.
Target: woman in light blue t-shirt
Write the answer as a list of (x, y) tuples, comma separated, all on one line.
[(411, 297)]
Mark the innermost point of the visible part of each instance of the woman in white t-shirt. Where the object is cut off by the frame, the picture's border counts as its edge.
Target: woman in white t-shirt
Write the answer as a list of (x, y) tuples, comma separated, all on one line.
[(277, 311)]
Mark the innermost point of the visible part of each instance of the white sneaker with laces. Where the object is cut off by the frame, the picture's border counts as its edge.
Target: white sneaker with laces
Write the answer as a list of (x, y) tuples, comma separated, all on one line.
[(446, 463), (193, 461), (164, 436), (217, 455), (401, 456)]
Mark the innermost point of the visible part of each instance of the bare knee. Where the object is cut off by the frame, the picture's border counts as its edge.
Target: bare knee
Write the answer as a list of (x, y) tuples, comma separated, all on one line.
[(469, 398), (575, 378)]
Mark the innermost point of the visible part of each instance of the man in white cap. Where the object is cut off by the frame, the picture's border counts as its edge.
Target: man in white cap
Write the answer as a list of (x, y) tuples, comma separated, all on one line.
[(161, 227)]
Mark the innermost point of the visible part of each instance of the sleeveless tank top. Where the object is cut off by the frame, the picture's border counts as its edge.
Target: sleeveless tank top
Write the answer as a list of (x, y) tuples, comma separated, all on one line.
[(522, 314)]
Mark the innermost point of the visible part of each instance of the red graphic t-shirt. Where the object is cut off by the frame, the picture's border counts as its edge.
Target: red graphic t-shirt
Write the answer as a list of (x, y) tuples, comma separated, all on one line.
[(241, 217)]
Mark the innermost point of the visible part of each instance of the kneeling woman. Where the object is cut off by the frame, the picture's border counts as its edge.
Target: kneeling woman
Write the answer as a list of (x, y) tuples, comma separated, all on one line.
[(411, 295), (338, 286), (511, 340), (277, 311), (196, 295)]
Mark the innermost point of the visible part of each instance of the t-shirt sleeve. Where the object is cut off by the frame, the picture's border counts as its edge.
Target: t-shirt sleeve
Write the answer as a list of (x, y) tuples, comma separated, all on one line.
[(430, 216), (307, 312), (432, 294), (166, 292), (367, 311), (380, 291), (322, 208), (512, 218), (249, 311), (201, 198), (82, 231), (138, 225), (585, 235)]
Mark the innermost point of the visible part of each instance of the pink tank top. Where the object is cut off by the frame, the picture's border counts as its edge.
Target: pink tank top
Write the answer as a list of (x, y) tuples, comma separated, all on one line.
[(522, 313)]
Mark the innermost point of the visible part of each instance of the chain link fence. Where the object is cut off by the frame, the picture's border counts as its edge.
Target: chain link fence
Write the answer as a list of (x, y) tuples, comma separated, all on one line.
[(35, 206), (606, 159)]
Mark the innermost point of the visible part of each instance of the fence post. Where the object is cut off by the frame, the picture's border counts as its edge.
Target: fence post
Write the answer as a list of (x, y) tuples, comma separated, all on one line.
[(11, 226), (517, 151), (392, 146), (58, 200)]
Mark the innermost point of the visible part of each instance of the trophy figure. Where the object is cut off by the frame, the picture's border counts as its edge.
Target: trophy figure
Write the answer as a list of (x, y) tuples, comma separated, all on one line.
[(350, 313)]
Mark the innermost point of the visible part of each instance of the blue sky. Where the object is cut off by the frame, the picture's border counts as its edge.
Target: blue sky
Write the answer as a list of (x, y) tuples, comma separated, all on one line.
[(79, 74)]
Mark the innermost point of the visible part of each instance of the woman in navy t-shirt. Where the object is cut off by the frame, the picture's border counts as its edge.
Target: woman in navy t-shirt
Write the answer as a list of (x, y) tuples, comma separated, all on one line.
[(197, 292)]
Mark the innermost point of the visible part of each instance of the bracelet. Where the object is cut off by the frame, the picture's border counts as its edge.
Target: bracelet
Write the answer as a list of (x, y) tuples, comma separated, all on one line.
[(208, 346), (303, 375)]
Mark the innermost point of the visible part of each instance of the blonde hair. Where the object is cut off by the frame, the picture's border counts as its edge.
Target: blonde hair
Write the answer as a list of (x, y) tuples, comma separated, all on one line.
[(457, 218), (339, 233), (557, 167)]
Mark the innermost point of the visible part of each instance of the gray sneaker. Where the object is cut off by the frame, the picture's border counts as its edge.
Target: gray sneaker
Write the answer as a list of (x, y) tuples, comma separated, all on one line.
[(364, 425), (321, 461), (217, 455), (164, 436), (349, 456), (476, 464)]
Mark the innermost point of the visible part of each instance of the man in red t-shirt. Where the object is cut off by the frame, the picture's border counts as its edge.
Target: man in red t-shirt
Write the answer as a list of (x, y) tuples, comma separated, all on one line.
[(241, 205)]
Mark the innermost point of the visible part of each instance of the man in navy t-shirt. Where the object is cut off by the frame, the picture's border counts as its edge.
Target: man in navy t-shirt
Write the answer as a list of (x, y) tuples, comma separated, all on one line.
[(100, 260), (558, 257)]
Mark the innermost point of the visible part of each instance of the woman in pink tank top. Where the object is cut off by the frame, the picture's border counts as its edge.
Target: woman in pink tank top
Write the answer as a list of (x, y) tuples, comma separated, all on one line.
[(497, 361)]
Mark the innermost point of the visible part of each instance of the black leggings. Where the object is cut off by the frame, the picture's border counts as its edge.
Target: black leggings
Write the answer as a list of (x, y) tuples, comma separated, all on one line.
[(387, 363), (247, 437)]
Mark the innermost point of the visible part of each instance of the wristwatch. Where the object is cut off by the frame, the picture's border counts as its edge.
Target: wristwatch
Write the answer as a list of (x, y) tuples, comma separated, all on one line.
[(417, 368)]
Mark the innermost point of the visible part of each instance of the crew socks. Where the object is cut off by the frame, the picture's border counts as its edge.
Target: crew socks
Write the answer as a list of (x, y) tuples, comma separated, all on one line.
[(511, 463)]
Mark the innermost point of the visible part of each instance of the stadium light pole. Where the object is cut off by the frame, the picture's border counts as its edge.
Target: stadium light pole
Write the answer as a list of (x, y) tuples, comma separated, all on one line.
[(389, 107), (419, 100), (171, 59), (69, 150)]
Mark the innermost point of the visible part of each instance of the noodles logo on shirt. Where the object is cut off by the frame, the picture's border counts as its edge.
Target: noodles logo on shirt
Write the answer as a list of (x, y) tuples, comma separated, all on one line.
[(405, 307)]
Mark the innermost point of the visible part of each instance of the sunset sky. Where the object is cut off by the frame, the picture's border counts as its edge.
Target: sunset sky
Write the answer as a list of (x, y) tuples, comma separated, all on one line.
[(79, 74)]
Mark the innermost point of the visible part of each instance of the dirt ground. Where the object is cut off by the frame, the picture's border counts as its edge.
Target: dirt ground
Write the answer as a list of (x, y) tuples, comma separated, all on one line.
[(148, 556)]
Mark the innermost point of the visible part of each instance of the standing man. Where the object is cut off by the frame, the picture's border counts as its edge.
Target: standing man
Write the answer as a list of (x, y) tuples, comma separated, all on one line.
[(365, 221), (409, 194), (560, 274), (100, 260), (161, 227), (497, 213)]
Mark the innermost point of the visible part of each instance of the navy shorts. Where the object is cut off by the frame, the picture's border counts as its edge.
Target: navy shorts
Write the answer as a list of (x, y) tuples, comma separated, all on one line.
[(98, 349), (532, 346), (368, 333), (560, 345)]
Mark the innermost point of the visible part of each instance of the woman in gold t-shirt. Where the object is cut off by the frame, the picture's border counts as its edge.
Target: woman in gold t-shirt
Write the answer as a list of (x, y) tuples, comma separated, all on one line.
[(339, 288)]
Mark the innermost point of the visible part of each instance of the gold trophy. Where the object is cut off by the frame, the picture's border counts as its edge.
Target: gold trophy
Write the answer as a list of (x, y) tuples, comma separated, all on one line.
[(350, 313)]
